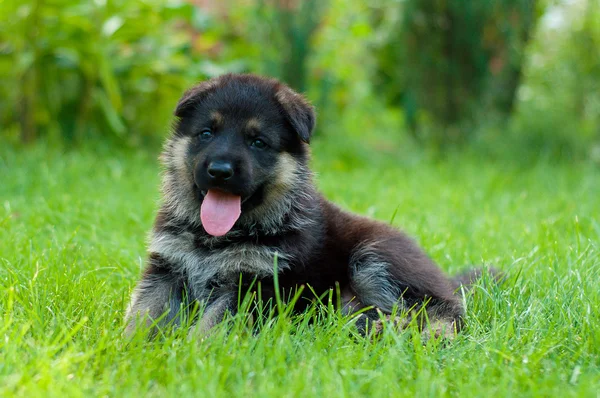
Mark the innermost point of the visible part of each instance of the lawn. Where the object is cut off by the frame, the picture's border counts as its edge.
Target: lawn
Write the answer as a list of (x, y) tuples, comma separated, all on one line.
[(72, 243)]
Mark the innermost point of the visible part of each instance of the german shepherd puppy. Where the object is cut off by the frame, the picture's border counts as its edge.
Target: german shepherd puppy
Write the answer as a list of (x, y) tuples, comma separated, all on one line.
[(238, 192)]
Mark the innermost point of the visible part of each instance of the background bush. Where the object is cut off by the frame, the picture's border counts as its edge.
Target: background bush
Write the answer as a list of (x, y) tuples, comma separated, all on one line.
[(502, 74), (79, 69), (450, 62)]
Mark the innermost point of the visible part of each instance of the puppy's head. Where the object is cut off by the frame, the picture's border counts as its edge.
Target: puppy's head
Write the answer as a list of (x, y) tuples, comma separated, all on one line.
[(239, 141)]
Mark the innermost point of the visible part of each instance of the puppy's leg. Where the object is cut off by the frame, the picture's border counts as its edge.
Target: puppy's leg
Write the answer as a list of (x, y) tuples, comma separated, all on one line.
[(158, 296), (214, 312), (369, 319), (257, 301), (394, 272)]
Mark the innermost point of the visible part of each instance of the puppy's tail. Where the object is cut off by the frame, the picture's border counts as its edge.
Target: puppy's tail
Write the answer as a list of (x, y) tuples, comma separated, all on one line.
[(469, 277)]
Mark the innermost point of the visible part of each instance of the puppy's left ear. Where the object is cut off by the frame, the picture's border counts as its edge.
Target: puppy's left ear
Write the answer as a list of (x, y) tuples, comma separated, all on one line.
[(299, 112)]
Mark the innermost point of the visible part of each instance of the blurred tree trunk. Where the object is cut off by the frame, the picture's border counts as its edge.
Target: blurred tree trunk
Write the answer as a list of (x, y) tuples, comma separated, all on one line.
[(297, 22), (506, 98), (459, 61), (294, 65), (27, 107), (281, 33)]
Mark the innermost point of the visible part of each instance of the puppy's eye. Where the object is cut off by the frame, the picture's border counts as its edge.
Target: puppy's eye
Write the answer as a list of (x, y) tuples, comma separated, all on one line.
[(258, 143), (205, 134)]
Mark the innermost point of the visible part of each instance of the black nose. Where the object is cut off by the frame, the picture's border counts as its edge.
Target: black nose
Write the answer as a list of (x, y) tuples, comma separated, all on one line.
[(220, 170)]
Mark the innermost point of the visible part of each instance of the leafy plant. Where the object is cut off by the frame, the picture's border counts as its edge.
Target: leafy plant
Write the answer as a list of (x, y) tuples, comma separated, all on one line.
[(76, 69)]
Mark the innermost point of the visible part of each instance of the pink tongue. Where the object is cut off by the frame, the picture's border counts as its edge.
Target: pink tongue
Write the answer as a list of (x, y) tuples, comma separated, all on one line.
[(219, 211)]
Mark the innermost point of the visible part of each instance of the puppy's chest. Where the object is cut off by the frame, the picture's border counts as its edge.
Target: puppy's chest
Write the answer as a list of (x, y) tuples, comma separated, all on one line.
[(202, 265), (241, 258)]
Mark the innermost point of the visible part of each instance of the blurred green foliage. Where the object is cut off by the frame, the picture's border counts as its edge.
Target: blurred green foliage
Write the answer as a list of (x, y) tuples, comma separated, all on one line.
[(560, 95), (449, 62), (499, 74), (284, 33), (76, 69)]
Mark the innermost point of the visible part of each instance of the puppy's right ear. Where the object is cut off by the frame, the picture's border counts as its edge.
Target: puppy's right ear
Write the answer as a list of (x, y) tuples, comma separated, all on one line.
[(193, 96), (299, 112)]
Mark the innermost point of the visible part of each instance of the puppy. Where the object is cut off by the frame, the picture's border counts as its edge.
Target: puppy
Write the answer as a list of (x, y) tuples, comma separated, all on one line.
[(238, 198)]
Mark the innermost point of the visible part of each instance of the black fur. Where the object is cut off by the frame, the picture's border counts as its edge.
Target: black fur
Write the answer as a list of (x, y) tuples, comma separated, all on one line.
[(317, 243)]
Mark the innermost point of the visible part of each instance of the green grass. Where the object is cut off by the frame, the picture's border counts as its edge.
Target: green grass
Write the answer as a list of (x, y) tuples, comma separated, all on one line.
[(72, 244)]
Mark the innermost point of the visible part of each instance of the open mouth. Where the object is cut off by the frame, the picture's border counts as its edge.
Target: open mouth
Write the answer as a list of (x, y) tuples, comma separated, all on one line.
[(244, 199), (219, 211)]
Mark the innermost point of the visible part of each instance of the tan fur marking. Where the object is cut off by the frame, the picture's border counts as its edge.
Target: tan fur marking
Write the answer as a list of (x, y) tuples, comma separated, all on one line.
[(285, 178), (217, 118), (177, 193), (440, 328), (253, 124), (288, 176), (287, 168), (179, 154)]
